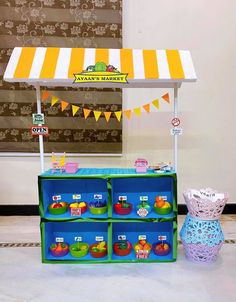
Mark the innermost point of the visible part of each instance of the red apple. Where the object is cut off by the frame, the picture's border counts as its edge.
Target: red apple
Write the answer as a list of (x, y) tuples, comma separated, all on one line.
[(57, 205)]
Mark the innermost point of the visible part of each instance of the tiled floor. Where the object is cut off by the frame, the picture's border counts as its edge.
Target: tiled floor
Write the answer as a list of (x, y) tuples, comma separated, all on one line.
[(24, 278)]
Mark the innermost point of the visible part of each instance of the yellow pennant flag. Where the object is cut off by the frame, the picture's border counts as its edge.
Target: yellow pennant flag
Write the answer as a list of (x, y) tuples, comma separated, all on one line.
[(156, 103), (147, 107), (64, 104), (127, 114), (54, 100), (74, 109), (137, 111), (166, 97), (45, 95), (86, 112), (118, 115), (107, 115), (97, 114)]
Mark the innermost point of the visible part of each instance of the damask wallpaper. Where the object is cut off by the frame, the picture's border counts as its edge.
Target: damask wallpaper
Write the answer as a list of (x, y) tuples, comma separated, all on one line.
[(59, 23)]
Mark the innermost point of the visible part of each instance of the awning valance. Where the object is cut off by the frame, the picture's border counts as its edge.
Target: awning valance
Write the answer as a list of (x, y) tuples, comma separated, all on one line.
[(57, 66)]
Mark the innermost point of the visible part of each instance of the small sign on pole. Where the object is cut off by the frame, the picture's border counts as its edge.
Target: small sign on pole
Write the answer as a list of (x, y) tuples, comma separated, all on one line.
[(38, 118), (39, 130), (176, 131)]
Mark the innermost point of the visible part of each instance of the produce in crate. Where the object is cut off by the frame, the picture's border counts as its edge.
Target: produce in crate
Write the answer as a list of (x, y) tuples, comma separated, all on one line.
[(161, 206), (58, 208), (82, 205), (122, 248), (98, 250), (98, 207), (161, 248), (142, 249), (79, 249), (122, 207), (59, 249)]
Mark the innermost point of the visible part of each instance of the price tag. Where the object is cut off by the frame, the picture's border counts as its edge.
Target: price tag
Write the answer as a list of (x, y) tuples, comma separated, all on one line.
[(176, 131), (76, 196), (97, 196), (123, 197), (142, 254), (161, 237), (75, 211), (59, 239), (99, 238), (78, 238), (142, 237), (143, 198), (56, 197), (121, 237), (142, 212)]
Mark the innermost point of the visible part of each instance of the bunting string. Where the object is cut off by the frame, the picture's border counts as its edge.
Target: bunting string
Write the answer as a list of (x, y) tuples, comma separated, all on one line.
[(107, 114)]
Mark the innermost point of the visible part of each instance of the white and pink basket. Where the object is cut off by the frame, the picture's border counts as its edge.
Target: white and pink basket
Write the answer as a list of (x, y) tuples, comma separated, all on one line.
[(206, 204)]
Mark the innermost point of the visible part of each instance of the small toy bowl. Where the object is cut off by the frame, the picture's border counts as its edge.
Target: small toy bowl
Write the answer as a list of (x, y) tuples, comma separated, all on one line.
[(120, 252), (161, 252), (97, 254), (60, 253), (98, 211), (123, 211), (58, 211), (137, 243), (162, 211), (81, 253)]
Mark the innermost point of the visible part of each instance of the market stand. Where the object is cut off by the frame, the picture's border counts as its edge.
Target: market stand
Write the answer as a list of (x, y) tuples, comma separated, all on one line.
[(144, 69)]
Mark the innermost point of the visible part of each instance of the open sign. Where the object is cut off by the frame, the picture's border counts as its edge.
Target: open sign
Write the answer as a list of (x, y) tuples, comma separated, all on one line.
[(39, 130)]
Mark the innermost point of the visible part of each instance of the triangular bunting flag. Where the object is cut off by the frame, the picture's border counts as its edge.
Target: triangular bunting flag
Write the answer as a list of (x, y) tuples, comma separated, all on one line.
[(45, 95), (54, 100), (97, 114), (147, 107), (166, 97), (74, 109), (107, 115), (118, 115), (156, 103), (86, 112), (64, 104), (137, 111), (127, 114)]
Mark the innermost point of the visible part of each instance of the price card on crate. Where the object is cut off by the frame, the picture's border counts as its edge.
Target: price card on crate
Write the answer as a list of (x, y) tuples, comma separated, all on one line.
[(78, 238), (75, 211), (142, 254), (122, 197), (97, 196), (121, 237), (142, 237), (76, 196), (142, 212), (99, 238), (161, 238), (59, 239), (56, 197)]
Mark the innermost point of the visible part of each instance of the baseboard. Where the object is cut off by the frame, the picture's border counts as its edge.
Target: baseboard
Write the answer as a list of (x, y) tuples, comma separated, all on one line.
[(33, 210)]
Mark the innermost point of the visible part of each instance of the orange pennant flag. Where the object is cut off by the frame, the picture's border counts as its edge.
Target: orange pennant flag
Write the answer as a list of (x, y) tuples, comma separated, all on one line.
[(127, 114), (118, 115), (97, 114), (156, 103), (45, 95), (86, 112), (64, 105), (137, 111), (74, 109), (107, 115), (147, 107), (54, 100), (166, 97)]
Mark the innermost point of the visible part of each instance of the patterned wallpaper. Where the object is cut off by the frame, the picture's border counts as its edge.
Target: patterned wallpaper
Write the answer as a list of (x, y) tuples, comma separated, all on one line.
[(60, 23)]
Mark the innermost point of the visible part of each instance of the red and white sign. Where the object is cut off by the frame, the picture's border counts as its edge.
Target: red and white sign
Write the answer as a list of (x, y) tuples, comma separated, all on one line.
[(39, 130), (142, 212), (56, 197), (161, 237), (142, 254), (75, 211), (175, 122)]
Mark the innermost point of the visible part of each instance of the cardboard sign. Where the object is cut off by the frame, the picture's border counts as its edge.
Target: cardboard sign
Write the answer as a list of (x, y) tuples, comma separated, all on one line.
[(97, 196), (176, 131), (142, 237), (76, 196), (56, 197), (39, 130), (142, 254), (38, 118), (78, 238), (75, 211), (124, 197), (161, 237), (142, 212), (143, 198), (99, 238), (121, 237)]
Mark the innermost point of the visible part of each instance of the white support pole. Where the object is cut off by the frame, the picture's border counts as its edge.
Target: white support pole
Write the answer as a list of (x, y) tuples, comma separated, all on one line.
[(41, 150), (176, 136)]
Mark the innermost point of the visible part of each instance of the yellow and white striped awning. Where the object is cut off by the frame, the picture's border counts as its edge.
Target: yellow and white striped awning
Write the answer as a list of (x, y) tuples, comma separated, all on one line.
[(57, 66)]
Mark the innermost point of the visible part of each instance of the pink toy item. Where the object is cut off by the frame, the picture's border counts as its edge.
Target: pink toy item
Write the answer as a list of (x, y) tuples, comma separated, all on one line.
[(71, 167), (141, 165)]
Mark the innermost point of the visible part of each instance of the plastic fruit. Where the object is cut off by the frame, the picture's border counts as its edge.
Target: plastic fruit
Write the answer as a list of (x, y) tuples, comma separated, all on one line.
[(162, 207), (123, 208), (161, 248), (79, 249), (142, 245), (59, 249), (82, 205), (57, 205), (98, 250), (122, 248), (58, 208)]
